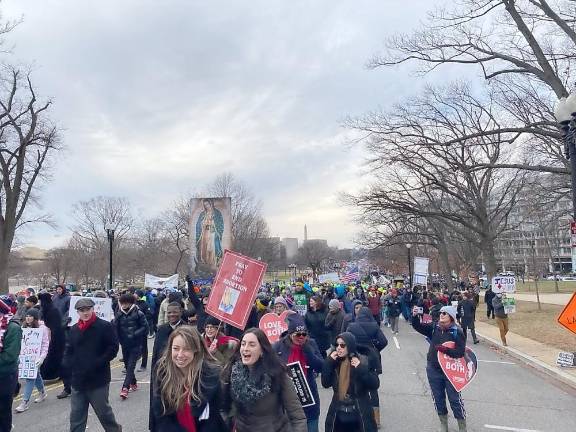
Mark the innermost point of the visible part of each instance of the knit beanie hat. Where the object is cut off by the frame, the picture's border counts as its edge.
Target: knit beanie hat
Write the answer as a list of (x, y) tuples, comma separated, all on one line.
[(295, 323), (334, 304), (281, 300), (34, 313), (450, 310)]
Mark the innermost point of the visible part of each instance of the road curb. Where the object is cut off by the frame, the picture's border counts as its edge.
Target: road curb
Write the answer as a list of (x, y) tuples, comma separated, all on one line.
[(551, 371)]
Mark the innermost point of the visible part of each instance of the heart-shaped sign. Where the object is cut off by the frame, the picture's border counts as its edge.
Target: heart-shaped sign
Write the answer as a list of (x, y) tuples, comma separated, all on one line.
[(461, 371), (274, 325)]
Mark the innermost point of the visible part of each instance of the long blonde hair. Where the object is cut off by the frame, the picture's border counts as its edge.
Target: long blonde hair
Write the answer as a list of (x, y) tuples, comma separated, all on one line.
[(176, 384)]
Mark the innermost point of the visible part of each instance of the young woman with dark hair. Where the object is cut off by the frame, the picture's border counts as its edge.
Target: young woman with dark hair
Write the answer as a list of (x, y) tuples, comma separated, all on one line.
[(187, 386), (258, 394)]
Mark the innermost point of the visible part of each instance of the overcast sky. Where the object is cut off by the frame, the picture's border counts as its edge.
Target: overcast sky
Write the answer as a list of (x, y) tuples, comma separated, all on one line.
[(157, 97)]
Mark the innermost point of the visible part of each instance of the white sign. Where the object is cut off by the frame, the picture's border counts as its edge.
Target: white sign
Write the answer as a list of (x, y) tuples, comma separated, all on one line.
[(155, 282), (509, 304), (102, 308), (421, 265), (420, 279), (30, 352), (329, 278), (503, 284), (565, 359)]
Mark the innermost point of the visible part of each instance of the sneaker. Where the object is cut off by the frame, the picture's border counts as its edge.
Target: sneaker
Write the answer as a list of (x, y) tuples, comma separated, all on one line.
[(63, 394), (23, 406), (141, 369), (124, 393), (133, 388), (41, 397)]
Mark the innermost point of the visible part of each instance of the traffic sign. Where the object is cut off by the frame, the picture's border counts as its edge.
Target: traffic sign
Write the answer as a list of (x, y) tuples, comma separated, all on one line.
[(568, 316), (503, 284)]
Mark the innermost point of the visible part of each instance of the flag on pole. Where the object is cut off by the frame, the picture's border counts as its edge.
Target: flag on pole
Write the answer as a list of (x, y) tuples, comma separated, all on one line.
[(351, 275)]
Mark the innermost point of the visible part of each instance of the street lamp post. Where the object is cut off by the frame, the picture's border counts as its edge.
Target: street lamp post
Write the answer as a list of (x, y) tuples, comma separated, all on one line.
[(110, 234), (409, 247), (565, 113)]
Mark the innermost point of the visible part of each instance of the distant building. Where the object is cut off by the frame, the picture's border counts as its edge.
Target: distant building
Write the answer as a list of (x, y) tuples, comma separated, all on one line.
[(291, 246), (317, 241)]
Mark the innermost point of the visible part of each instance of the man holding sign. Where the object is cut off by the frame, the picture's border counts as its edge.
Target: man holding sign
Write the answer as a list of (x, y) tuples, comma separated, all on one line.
[(445, 331)]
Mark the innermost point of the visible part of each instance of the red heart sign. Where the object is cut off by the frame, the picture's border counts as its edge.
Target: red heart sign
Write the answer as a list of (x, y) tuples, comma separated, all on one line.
[(274, 325), (461, 371)]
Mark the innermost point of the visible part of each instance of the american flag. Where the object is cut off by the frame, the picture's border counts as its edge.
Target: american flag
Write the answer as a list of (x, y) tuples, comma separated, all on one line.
[(351, 275)]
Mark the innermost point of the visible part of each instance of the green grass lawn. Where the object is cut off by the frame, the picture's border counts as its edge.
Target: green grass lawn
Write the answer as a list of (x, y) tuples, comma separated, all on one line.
[(545, 286)]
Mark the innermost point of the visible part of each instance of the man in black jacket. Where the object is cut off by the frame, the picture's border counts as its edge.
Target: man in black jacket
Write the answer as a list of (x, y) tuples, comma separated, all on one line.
[(92, 345), (131, 327), (488, 297)]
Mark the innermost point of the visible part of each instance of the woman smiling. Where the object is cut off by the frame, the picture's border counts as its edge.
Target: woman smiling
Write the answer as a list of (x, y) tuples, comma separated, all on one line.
[(186, 396)]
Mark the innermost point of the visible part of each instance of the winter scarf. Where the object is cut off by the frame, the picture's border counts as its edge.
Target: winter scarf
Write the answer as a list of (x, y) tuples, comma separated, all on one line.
[(245, 388), (343, 379), (84, 325), (297, 355)]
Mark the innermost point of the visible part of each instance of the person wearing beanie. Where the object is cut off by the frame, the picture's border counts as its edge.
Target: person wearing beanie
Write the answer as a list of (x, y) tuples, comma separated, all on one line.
[(280, 305), (446, 330), (349, 375), (221, 347), (10, 343), (32, 320), (296, 345), (334, 319)]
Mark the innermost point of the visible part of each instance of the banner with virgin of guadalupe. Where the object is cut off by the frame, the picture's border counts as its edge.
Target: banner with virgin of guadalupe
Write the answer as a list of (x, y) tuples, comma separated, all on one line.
[(210, 233)]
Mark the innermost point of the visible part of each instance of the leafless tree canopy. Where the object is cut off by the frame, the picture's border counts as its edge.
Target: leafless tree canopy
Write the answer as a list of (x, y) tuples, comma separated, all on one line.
[(28, 140)]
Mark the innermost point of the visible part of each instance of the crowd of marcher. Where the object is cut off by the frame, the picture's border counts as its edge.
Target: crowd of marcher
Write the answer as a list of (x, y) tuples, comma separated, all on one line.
[(209, 376)]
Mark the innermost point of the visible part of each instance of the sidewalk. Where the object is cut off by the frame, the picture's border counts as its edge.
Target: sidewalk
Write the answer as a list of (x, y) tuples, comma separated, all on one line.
[(536, 354)]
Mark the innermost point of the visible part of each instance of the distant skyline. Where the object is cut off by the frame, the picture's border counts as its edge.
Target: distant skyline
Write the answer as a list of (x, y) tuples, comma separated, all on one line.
[(155, 99)]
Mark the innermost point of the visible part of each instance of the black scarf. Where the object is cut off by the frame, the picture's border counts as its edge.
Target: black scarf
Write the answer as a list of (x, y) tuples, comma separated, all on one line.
[(246, 388)]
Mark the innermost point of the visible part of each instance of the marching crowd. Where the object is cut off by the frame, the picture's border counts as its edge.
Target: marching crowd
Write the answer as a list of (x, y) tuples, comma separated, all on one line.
[(209, 376)]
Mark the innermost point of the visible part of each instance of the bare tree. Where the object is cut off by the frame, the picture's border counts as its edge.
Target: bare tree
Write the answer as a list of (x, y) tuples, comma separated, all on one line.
[(60, 261), (28, 140), (312, 253)]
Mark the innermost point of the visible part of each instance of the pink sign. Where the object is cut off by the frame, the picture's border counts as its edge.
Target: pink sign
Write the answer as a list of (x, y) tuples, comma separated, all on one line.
[(460, 371), (274, 325)]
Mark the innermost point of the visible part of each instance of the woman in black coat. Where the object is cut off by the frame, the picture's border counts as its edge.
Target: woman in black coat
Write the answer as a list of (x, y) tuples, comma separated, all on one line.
[(315, 319), (50, 369), (187, 389), (348, 373)]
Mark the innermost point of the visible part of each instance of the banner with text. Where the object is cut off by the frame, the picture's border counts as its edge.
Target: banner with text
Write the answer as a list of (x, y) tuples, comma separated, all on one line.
[(155, 282), (235, 288), (301, 386)]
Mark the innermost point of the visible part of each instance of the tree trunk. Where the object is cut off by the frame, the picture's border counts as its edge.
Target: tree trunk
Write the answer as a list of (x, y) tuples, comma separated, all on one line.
[(489, 258), (445, 265), (4, 265)]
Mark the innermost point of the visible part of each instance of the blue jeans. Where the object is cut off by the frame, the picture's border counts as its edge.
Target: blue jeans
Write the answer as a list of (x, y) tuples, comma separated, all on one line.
[(29, 386), (312, 425)]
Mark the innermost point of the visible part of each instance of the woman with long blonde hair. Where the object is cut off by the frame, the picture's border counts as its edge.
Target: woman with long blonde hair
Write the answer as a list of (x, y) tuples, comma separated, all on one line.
[(187, 386)]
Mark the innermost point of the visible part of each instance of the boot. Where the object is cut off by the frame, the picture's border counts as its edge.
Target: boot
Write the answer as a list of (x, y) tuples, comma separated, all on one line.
[(377, 416), (443, 423), (462, 425)]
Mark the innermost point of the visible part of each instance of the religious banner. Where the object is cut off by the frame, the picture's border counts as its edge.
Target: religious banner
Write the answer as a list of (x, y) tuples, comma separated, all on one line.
[(274, 325), (459, 371), (301, 386), (159, 283), (30, 352), (210, 233), (102, 309), (235, 288)]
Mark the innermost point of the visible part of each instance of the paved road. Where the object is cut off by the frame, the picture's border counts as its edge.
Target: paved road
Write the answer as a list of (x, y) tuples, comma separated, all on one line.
[(505, 396)]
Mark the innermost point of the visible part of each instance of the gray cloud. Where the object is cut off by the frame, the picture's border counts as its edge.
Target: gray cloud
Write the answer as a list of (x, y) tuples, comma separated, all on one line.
[(158, 97)]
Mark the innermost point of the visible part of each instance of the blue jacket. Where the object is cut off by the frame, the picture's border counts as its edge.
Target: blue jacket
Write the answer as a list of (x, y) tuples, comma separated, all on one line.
[(314, 364)]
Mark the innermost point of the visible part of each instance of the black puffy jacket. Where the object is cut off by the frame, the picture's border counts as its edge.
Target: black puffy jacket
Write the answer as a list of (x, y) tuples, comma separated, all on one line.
[(131, 327), (368, 334)]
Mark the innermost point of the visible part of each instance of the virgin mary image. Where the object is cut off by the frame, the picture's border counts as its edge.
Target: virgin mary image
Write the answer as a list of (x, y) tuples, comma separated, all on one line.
[(209, 231)]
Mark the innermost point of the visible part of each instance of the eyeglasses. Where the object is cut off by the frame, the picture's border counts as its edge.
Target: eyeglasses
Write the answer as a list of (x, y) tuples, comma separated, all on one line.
[(301, 334), (341, 345)]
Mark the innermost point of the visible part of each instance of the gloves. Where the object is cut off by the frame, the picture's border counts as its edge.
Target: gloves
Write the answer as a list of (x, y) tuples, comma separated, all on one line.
[(442, 348)]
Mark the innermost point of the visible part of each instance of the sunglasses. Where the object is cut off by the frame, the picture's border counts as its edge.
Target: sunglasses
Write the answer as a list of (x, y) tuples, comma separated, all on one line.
[(443, 313), (301, 334), (341, 345)]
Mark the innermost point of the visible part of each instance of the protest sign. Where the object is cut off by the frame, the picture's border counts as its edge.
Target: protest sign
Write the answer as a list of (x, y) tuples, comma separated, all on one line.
[(460, 371), (503, 284), (30, 352), (102, 309), (155, 282), (567, 317), (426, 319), (235, 288), (566, 359), (300, 303), (274, 325), (301, 386), (509, 304), (329, 278)]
